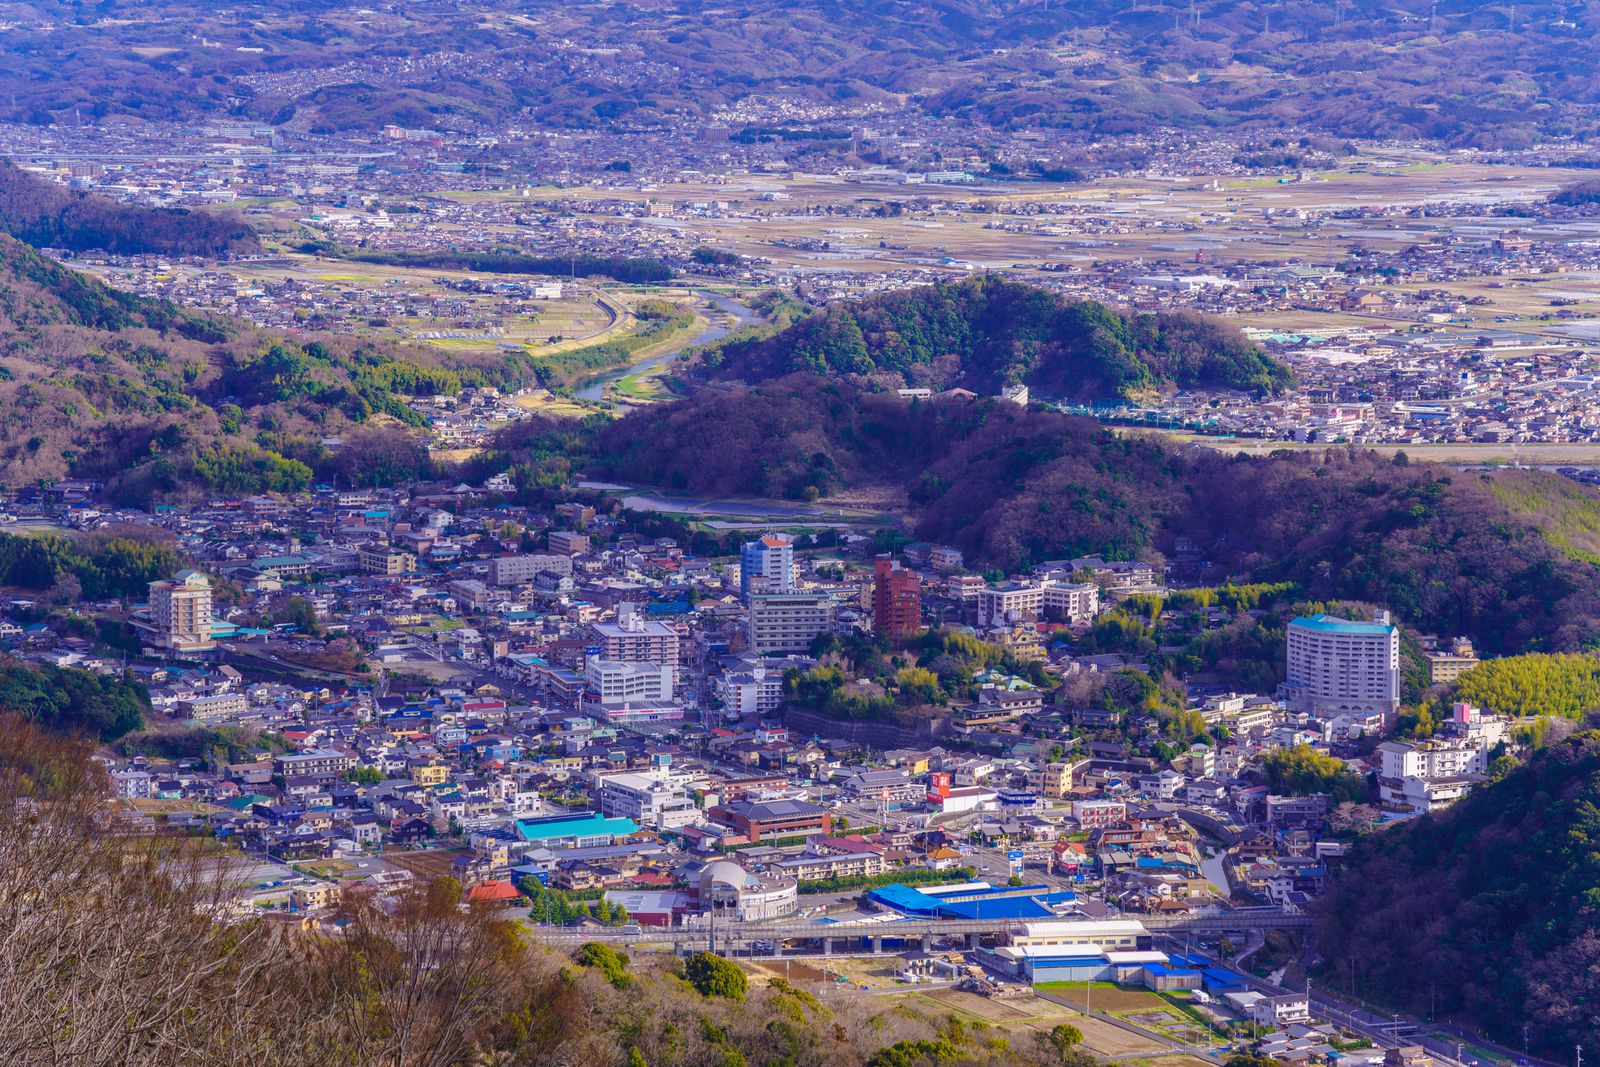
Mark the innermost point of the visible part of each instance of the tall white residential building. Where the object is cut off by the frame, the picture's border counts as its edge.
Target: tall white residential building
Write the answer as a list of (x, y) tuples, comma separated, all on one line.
[(788, 622), (634, 639), (180, 609), (1342, 665), (766, 565)]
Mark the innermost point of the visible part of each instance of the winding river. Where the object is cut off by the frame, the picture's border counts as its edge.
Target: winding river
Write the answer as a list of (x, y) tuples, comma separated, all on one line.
[(742, 316)]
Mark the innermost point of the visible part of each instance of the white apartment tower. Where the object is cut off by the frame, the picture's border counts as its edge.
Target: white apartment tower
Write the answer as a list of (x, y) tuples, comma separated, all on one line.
[(788, 622)]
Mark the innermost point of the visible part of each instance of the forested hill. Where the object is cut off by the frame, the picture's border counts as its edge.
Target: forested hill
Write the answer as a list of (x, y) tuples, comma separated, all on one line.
[(985, 333), (1450, 552), (44, 214), (1493, 905), (155, 400)]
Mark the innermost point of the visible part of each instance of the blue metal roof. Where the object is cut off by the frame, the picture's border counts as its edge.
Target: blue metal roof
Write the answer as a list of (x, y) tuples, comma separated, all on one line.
[(997, 902), (905, 898), (1039, 963), (1329, 624), (591, 825), (997, 908)]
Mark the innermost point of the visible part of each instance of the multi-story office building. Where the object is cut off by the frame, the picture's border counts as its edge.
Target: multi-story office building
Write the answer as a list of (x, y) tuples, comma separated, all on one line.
[(1054, 780), (1429, 775), (567, 543), (316, 761), (651, 800), (1071, 601), (1011, 603), (516, 570), (1343, 665), (1025, 602), (896, 599), (1445, 667), (180, 611), (766, 565), (611, 682), (470, 593), (755, 692), (386, 559), (788, 622)]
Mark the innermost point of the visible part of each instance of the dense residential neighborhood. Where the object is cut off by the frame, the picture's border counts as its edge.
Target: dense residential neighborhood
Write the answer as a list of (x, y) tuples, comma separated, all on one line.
[(976, 534), (406, 685)]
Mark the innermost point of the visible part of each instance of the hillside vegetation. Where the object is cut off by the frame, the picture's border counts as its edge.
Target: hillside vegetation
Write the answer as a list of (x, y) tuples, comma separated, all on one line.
[(42, 213), (985, 333), (1566, 685), (156, 400), (1494, 905), (1011, 487)]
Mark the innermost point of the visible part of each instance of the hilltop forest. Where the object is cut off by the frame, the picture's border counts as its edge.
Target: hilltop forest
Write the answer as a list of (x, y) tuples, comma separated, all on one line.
[(984, 333)]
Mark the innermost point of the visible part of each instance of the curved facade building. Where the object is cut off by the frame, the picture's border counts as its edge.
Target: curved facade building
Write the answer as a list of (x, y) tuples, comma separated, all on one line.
[(1343, 666)]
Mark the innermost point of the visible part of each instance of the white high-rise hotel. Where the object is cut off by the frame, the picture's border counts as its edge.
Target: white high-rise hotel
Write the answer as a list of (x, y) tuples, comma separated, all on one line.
[(180, 608), (1339, 666)]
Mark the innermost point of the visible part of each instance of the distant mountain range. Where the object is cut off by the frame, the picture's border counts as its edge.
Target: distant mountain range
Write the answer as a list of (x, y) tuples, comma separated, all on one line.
[(1467, 72), (986, 333)]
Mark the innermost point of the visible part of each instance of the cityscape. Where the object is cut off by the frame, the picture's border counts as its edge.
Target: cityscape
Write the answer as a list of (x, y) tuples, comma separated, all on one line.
[(887, 535)]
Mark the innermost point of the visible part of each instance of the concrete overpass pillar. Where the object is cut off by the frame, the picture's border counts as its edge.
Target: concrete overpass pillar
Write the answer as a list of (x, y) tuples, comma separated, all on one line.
[(827, 946), (877, 945), (973, 940), (927, 942)]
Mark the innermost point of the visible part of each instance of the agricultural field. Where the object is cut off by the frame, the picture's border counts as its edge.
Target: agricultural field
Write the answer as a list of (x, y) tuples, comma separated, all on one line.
[(1172, 1015), (1105, 997), (1107, 1040), (426, 864)]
